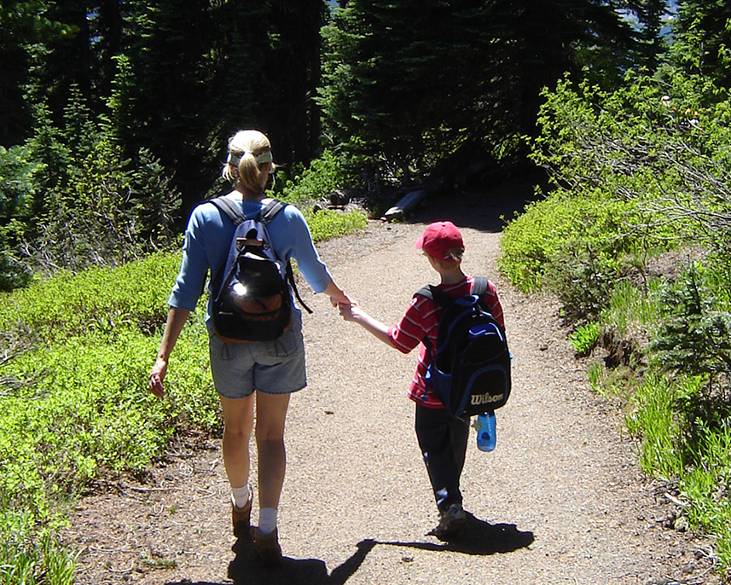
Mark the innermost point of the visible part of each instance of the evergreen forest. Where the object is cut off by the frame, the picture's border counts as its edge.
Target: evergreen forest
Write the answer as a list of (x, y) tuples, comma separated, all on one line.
[(114, 120)]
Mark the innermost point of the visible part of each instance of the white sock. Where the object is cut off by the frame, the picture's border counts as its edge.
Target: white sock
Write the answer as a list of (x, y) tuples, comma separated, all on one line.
[(241, 495), (267, 520)]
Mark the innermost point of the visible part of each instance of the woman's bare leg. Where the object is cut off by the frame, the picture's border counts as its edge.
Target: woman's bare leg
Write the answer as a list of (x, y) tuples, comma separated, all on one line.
[(271, 413), (238, 420)]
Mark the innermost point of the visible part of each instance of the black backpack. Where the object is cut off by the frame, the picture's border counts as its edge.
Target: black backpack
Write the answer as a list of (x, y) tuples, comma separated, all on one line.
[(251, 296), (469, 369)]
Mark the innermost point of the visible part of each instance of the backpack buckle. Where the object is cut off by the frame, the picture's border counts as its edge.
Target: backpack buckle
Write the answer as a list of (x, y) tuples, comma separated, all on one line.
[(248, 243)]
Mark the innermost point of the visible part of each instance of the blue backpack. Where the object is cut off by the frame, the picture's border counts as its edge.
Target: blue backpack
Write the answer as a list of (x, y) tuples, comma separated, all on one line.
[(469, 368)]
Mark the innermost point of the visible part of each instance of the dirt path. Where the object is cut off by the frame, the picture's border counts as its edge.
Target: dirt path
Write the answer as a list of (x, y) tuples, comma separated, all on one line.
[(559, 501)]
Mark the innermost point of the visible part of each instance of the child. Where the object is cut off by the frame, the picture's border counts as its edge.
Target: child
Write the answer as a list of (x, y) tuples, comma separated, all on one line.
[(442, 438)]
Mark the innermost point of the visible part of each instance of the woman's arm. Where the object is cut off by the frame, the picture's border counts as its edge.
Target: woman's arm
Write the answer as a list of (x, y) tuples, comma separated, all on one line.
[(173, 326)]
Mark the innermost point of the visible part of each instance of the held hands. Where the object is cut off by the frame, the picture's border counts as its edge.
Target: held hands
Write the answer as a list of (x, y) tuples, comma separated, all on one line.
[(340, 298), (157, 376), (351, 312)]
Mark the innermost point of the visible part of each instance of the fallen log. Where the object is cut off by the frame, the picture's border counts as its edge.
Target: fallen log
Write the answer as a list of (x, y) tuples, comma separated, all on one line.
[(405, 204)]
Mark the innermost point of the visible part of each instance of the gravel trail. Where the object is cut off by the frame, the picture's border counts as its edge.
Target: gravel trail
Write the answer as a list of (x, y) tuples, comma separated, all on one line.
[(561, 499)]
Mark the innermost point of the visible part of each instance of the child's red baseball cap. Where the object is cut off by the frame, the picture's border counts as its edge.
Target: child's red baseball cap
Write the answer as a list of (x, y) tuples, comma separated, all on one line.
[(439, 239)]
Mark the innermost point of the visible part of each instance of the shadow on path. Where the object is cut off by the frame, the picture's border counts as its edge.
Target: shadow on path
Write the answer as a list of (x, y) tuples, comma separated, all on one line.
[(245, 569), (478, 538), (486, 211)]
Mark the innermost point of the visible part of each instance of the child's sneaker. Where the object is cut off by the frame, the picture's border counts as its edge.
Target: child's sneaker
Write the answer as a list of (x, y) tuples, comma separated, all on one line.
[(241, 519), (451, 522), (267, 547)]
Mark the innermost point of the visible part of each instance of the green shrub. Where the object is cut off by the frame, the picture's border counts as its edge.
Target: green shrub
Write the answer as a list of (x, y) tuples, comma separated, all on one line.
[(95, 206), (563, 230), (321, 177), (82, 408), (582, 277), (695, 335), (97, 299), (635, 172), (326, 224), (585, 338), (17, 191), (632, 175)]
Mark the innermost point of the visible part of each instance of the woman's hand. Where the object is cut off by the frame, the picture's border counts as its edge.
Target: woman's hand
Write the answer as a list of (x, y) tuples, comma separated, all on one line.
[(157, 376), (337, 296), (340, 299), (174, 324)]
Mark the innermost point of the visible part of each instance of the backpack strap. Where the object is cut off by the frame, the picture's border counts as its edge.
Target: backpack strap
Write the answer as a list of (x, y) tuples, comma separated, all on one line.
[(232, 209), (270, 210), (229, 207), (293, 284), (434, 294), (479, 286)]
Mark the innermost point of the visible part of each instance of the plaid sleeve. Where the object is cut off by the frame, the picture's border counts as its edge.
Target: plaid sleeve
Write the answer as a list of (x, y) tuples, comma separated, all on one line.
[(410, 330)]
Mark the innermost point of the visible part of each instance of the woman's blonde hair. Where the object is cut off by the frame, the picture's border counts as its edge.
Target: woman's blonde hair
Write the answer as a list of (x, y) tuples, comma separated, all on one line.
[(249, 155)]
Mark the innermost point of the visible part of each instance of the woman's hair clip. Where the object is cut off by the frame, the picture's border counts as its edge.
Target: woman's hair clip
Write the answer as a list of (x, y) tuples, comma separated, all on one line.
[(234, 158)]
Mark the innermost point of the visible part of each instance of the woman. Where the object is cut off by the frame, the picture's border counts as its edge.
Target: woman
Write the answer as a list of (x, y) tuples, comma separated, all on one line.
[(269, 371)]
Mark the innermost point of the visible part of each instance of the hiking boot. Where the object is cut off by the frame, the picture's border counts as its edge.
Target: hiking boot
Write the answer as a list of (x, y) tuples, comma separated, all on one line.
[(241, 519), (267, 547), (451, 522)]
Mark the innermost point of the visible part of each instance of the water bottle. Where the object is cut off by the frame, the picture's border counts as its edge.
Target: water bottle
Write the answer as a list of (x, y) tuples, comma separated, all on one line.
[(486, 437)]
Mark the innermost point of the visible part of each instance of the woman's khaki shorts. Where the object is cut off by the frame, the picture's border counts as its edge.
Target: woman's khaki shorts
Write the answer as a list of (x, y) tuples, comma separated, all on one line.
[(273, 367)]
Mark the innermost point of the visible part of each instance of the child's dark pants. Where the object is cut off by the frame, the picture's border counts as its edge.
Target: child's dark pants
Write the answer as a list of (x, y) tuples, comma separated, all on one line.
[(443, 442)]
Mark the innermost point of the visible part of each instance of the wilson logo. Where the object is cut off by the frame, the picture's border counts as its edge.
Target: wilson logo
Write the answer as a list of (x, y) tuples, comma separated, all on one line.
[(478, 399)]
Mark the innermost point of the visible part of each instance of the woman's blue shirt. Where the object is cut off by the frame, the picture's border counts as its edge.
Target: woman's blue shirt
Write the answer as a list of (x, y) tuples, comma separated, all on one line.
[(208, 238)]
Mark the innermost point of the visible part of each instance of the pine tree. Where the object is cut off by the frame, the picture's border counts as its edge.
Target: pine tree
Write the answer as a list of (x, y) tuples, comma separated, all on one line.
[(406, 83), (25, 25), (703, 39), (167, 44), (651, 15)]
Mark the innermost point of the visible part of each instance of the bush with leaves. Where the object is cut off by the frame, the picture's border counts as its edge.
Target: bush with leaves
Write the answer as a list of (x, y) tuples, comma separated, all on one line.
[(96, 299), (652, 163), (566, 241), (321, 177), (653, 152), (17, 190), (97, 386)]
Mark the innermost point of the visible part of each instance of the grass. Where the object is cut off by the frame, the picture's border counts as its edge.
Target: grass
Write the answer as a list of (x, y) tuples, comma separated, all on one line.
[(31, 556), (631, 307), (653, 418), (678, 447)]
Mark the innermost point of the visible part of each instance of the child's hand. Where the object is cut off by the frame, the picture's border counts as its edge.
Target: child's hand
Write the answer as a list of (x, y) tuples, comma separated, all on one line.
[(349, 312)]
